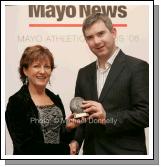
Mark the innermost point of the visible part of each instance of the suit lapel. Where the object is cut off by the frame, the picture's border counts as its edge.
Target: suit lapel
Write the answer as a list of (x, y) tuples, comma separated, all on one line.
[(93, 81), (114, 72)]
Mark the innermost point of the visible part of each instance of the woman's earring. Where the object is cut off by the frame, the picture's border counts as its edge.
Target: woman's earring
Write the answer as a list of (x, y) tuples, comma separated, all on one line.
[(49, 83), (26, 81)]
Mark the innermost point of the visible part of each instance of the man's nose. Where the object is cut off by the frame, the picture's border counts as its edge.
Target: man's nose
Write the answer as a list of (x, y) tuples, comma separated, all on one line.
[(97, 40)]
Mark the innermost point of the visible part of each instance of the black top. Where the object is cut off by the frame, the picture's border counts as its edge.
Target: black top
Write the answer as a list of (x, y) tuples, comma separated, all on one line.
[(27, 135)]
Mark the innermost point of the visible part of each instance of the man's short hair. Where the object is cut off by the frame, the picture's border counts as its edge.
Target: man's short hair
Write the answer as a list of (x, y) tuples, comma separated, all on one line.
[(93, 18)]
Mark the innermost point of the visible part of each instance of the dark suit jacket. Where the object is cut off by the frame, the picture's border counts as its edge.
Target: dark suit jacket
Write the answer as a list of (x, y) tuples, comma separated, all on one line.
[(125, 98), (27, 135)]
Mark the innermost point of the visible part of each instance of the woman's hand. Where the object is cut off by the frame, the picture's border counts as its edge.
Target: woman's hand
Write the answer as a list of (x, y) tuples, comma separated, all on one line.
[(74, 147), (72, 123)]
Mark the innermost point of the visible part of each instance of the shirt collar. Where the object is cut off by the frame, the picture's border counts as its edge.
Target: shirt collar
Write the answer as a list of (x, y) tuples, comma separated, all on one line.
[(110, 60)]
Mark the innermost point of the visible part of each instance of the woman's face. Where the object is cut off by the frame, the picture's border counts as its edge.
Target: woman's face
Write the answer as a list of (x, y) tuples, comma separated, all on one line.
[(39, 73)]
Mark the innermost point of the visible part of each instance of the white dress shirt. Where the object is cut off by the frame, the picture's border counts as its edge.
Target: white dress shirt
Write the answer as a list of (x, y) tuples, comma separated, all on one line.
[(103, 73)]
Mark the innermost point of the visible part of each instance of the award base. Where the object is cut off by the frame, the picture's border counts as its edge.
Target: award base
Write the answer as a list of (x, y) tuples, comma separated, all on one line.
[(79, 115)]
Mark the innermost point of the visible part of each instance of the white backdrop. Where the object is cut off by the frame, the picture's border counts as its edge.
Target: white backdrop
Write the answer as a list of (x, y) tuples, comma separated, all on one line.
[(68, 47)]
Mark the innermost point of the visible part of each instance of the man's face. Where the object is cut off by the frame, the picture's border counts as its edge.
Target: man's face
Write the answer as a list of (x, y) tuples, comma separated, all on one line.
[(100, 40)]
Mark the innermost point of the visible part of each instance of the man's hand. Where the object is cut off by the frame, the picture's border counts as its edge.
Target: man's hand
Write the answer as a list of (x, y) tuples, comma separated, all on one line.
[(95, 110), (74, 147)]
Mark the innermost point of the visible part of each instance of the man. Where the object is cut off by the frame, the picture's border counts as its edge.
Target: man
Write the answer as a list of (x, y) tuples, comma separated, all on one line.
[(116, 93)]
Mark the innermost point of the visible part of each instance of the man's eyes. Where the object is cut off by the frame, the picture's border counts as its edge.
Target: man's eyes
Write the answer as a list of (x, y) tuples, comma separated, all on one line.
[(101, 33), (89, 37)]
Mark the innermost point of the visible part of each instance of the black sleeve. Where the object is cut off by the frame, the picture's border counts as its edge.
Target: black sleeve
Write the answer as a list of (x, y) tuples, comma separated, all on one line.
[(66, 136), (80, 131), (25, 136)]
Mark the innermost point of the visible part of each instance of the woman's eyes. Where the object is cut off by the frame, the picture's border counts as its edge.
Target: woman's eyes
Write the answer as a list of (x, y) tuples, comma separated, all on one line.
[(39, 66), (47, 66), (36, 66)]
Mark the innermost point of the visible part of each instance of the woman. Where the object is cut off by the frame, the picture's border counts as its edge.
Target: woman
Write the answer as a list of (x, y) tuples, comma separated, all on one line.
[(35, 116)]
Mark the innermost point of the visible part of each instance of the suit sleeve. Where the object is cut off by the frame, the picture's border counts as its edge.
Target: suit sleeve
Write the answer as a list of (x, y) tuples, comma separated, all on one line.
[(24, 136), (137, 115), (79, 132)]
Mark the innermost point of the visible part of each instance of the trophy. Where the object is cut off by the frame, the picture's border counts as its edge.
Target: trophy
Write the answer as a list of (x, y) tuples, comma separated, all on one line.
[(75, 107)]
